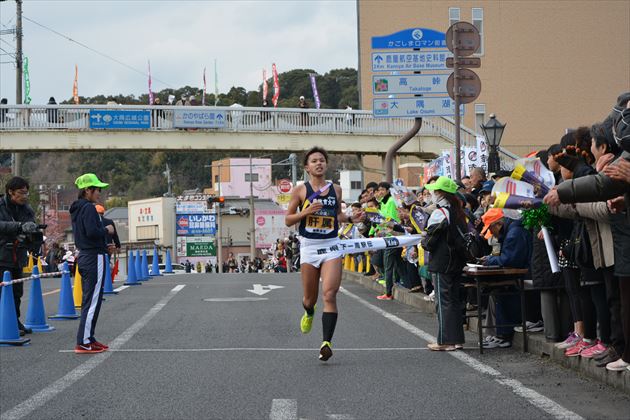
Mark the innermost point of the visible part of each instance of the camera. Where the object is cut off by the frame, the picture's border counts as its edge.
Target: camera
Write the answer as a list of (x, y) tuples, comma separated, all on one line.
[(32, 241)]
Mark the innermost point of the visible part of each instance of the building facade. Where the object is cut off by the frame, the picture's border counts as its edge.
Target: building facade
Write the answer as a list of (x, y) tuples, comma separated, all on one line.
[(545, 65), (231, 178)]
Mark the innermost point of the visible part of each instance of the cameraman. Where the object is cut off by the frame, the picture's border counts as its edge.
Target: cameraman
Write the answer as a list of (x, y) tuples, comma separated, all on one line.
[(17, 220)]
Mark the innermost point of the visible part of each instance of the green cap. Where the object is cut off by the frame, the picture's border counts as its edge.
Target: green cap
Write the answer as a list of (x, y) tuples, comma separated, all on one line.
[(89, 180), (443, 183)]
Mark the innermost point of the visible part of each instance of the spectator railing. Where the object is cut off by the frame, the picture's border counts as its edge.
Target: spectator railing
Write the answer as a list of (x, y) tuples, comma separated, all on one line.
[(239, 119)]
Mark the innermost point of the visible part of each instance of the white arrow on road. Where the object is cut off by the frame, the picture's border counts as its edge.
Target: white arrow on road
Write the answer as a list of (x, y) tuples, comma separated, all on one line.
[(259, 289)]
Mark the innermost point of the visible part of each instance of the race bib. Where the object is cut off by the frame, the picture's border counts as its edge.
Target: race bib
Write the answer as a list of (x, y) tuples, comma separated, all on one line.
[(319, 224)]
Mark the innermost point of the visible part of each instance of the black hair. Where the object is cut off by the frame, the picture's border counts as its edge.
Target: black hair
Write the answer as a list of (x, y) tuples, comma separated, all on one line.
[(543, 156), (315, 149), (356, 205), (4, 101), (577, 144), (432, 179), (472, 200), (373, 200), (384, 184), (372, 185), (554, 149), (16, 183), (83, 191), (456, 206), (466, 177), (602, 134)]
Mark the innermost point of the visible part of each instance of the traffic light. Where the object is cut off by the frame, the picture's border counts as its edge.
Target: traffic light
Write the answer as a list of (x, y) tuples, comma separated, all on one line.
[(217, 199), (248, 236)]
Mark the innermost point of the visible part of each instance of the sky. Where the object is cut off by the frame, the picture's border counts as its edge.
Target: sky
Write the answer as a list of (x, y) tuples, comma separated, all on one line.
[(179, 37)]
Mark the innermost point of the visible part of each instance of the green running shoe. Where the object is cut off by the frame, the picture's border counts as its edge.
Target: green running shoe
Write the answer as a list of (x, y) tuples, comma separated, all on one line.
[(325, 351), (306, 323)]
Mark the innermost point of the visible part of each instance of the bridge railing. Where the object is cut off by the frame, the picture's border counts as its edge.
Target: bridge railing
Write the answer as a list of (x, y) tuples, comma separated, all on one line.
[(237, 119)]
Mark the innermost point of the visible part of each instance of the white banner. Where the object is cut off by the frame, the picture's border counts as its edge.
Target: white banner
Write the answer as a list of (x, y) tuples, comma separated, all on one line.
[(355, 246), (482, 153)]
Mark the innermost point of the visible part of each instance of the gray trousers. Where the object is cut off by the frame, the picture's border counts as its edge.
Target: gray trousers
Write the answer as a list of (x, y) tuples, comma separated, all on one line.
[(449, 308)]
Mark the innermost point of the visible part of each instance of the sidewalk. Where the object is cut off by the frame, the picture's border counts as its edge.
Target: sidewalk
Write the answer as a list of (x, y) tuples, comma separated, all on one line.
[(536, 342)]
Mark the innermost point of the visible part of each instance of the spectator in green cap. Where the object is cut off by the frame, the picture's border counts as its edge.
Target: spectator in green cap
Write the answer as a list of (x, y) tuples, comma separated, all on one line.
[(90, 238), (446, 262)]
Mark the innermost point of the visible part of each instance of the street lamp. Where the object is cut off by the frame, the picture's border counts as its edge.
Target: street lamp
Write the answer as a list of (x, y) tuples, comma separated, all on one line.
[(493, 131)]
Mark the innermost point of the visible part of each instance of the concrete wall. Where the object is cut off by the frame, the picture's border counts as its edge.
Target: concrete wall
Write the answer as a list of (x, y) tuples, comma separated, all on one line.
[(547, 65)]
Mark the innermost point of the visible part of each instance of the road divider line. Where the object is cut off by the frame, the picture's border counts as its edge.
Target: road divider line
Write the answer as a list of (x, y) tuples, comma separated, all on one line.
[(283, 410), (121, 288), (536, 399), (52, 292), (42, 397)]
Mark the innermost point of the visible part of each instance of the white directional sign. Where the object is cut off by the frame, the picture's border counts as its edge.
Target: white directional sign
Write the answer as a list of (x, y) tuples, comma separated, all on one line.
[(414, 107), (409, 84), (259, 289), (409, 61)]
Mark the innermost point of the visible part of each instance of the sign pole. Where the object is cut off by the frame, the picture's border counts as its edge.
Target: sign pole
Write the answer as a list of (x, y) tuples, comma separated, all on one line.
[(252, 226), (458, 143), (219, 229)]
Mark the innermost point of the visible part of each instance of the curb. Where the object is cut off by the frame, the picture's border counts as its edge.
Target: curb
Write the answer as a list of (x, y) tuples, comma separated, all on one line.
[(536, 342)]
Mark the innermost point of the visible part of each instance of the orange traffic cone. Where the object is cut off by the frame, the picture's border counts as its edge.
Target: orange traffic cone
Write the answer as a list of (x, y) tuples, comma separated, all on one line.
[(77, 290)]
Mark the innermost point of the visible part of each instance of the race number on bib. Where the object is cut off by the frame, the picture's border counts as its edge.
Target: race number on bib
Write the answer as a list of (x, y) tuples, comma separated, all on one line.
[(320, 224)]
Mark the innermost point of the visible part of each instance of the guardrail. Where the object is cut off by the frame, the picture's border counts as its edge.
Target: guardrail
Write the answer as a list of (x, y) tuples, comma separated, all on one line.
[(237, 119)]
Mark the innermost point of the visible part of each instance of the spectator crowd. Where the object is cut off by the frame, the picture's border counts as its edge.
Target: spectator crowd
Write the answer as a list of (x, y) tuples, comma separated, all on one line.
[(583, 305)]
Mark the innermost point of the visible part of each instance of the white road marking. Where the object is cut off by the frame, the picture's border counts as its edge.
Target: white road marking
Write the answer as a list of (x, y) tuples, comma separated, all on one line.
[(121, 288), (283, 410), (537, 400), (184, 350), (248, 299), (340, 416), (42, 397)]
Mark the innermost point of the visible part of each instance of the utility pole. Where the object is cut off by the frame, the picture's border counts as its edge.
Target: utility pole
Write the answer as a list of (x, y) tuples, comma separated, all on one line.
[(219, 228), (252, 226), (293, 160), (17, 157)]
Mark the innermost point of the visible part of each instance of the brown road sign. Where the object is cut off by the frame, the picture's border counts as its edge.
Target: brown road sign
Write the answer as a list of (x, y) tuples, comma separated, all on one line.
[(468, 39), (464, 62), (469, 86)]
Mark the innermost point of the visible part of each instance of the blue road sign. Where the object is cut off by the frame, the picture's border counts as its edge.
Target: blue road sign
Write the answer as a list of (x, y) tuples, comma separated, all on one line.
[(410, 38), (109, 119), (199, 119), (414, 107), (409, 61), (410, 84)]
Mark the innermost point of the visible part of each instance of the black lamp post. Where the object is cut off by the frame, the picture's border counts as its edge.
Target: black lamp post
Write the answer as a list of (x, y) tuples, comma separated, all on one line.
[(493, 131)]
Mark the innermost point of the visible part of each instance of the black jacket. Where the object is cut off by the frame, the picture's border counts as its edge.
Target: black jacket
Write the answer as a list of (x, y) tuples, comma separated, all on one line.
[(90, 236), (440, 241), (540, 267), (11, 218), (111, 238), (595, 187)]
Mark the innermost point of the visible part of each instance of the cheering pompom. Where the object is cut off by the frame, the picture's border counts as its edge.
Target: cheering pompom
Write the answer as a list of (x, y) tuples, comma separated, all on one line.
[(536, 218)]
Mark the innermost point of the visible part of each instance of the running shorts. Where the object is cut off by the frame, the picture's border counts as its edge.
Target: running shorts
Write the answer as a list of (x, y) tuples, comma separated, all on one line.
[(309, 251)]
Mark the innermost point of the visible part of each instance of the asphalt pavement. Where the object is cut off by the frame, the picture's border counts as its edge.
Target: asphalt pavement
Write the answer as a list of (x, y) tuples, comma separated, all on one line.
[(212, 346)]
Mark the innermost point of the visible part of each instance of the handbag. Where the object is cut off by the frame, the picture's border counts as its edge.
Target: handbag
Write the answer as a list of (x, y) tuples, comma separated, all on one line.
[(581, 252)]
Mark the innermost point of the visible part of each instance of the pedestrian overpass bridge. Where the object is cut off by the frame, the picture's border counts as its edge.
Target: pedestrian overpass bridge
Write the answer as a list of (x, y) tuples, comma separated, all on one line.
[(67, 127)]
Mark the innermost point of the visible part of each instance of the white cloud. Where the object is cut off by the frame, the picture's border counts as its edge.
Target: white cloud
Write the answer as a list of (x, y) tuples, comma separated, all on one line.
[(180, 38)]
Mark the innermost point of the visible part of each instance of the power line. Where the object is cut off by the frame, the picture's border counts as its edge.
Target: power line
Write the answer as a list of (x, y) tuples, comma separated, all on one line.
[(96, 51), (7, 52)]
